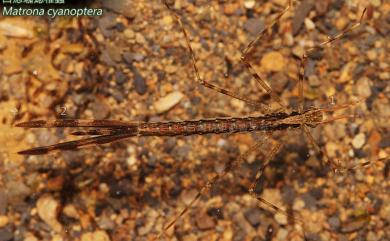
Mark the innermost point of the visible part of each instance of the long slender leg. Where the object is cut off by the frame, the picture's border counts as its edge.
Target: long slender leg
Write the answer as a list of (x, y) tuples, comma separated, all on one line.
[(229, 167), (205, 83), (335, 167), (336, 37), (259, 173), (320, 46), (247, 51), (302, 77)]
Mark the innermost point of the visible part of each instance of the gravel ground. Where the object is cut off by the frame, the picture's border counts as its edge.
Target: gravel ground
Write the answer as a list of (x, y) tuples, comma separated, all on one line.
[(133, 64)]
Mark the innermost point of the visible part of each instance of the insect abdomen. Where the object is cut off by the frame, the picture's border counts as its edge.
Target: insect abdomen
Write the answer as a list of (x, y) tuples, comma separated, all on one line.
[(200, 127)]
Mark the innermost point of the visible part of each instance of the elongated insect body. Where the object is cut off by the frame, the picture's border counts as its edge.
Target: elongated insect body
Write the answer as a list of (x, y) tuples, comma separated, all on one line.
[(110, 130)]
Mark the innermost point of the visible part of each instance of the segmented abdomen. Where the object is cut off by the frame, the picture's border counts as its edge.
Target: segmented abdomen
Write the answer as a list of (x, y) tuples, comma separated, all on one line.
[(200, 127)]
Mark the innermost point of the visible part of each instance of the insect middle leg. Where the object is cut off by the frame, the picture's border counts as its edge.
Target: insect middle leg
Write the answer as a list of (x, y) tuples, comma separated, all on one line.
[(247, 53), (212, 181), (259, 105)]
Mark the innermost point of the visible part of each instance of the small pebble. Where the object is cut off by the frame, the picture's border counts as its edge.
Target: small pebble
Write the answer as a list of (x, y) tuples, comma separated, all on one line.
[(301, 12), (57, 237), (71, 211), (204, 221), (375, 3), (30, 237), (253, 216), (309, 24), (334, 222), (249, 4), (95, 236), (3, 221), (6, 235), (281, 218), (282, 234), (346, 73), (298, 51), (254, 25), (359, 140), (48, 208), (371, 54), (139, 83), (120, 77), (273, 61), (230, 8), (363, 87), (385, 212), (299, 204), (167, 102), (167, 20)]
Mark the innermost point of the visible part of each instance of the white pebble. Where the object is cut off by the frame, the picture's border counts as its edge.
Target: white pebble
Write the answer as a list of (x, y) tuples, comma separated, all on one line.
[(249, 4), (281, 218), (48, 208), (12, 30), (309, 24), (359, 141), (167, 102)]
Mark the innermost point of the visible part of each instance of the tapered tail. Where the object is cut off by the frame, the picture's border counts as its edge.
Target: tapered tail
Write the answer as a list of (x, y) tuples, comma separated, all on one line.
[(74, 145)]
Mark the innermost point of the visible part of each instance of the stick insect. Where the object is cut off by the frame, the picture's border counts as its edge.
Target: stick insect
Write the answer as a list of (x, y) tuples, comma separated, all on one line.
[(107, 131)]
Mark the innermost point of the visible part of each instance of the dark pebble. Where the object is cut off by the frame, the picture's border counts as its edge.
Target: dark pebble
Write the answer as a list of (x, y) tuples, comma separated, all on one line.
[(151, 200), (360, 153), (3, 202), (310, 201), (253, 215), (310, 68), (321, 7), (385, 141), (123, 7), (376, 203), (278, 81), (169, 145), (204, 221), (300, 14), (316, 55), (73, 35), (128, 57), (338, 4), (239, 235), (139, 83), (120, 77), (117, 94), (313, 237), (99, 110), (175, 191), (182, 152), (215, 212), (105, 58), (107, 23), (334, 223), (254, 26), (6, 235), (119, 189), (288, 194), (317, 193), (120, 27)]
